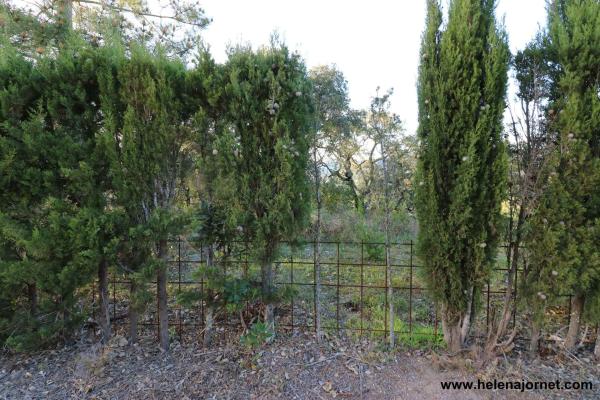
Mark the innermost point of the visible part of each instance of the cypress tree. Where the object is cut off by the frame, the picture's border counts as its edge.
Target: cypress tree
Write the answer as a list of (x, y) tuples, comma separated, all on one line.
[(270, 109), (51, 189), (462, 162), (564, 231), (147, 129)]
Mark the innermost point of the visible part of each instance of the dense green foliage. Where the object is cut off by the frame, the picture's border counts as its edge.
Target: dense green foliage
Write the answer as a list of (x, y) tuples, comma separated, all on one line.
[(564, 231), (270, 107), (462, 162), (116, 137), (53, 228)]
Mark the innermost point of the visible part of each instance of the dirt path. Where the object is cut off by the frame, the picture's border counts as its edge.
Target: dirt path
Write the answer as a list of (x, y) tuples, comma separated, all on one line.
[(290, 368)]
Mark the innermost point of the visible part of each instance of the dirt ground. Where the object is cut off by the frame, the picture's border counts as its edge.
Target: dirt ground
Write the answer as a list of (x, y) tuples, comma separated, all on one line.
[(292, 367)]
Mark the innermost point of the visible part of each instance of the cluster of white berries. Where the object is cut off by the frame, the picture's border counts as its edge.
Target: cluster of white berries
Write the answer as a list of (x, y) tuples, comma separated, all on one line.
[(215, 152), (298, 93), (554, 273), (272, 107), (482, 245), (465, 158)]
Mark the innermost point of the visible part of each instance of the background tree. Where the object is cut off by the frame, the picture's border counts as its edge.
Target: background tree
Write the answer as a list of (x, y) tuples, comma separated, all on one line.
[(172, 25), (532, 142), (462, 161), (382, 127), (270, 109), (331, 102), (564, 230)]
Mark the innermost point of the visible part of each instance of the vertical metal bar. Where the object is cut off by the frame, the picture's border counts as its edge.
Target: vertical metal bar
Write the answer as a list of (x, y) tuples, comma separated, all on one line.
[(179, 286), (337, 311), (387, 300), (292, 284), (201, 288), (569, 313), (362, 284), (315, 286), (515, 295), (245, 275), (114, 285), (435, 325), (410, 291), (93, 299), (487, 313), (157, 308)]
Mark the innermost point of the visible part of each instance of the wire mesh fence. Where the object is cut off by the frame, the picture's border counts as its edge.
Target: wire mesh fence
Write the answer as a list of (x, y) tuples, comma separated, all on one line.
[(354, 291)]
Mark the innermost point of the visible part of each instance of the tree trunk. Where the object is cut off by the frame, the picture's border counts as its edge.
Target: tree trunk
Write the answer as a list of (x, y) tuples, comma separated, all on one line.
[(209, 314), (161, 290), (465, 321), (209, 321), (104, 315), (534, 343), (66, 13), (267, 288), (452, 334), (133, 314), (597, 346), (317, 277), (574, 321), (388, 261)]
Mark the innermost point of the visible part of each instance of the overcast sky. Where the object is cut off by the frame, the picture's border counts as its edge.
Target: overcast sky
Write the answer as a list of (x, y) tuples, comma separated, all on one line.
[(374, 43)]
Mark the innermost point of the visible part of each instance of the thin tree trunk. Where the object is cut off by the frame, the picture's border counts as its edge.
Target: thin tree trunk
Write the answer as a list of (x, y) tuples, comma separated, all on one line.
[(209, 315), (209, 321), (133, 314), (317, 294), (104, 316), (267, 287), (597, 346), (161, 290), (66, 13), (388, 261), (508, 304), (534, 343), (574, 321)]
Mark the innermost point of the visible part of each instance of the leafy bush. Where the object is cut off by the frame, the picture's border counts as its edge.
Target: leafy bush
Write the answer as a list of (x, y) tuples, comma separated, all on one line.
[(258, 334)]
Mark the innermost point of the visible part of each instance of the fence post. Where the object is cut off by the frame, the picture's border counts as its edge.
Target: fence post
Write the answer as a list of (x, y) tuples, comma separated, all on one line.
[(315, 286), (179, 286), (362, 284), (292, 284), (410, 291), (337, 312)]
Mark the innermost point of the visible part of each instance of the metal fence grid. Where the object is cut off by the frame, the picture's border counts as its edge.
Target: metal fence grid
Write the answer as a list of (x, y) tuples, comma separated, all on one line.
[(354, 287)]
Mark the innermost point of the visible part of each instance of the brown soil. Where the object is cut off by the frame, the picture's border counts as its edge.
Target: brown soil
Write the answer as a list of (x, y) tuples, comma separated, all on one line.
[(289, 368)]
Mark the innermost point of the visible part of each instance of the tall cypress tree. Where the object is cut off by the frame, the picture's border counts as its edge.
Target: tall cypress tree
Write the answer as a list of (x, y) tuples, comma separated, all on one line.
[(565, 228), (462, 161), (270, 108), (147, 129)]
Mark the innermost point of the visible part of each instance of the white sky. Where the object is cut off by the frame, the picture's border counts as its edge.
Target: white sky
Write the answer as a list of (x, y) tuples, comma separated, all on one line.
[(374, 43)]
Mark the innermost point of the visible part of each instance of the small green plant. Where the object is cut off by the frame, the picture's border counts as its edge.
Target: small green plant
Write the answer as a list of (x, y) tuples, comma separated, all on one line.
[(258, 334)]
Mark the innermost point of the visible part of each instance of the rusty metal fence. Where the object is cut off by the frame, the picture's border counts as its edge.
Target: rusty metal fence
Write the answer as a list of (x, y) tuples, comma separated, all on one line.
[(354, 291)]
